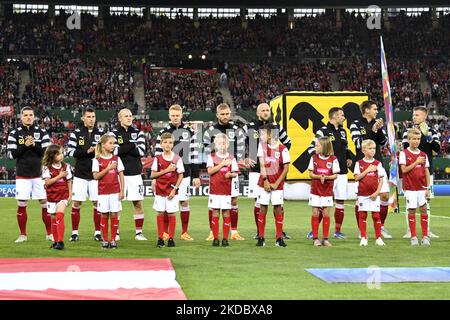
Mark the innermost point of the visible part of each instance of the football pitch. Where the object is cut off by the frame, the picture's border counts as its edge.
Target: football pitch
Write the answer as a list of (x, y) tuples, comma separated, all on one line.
[(244, 271)]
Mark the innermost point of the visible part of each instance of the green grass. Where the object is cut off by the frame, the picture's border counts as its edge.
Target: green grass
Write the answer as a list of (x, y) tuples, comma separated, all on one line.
[(244, 271)]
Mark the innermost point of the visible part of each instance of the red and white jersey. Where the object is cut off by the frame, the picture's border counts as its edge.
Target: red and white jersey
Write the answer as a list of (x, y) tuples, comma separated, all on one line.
[(59, 190), (275, 157), (164, 182), (218, 184), (369, 184), (415, 179), (109, 184), (326, 166)]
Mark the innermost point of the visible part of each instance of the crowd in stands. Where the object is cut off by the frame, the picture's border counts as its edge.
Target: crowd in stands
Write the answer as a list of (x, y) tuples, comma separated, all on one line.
[(193, 91), (9, 83), (310, 36), (73, 83)]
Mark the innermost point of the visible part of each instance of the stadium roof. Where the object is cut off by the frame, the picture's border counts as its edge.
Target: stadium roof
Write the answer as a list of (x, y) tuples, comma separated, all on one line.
[(245, 3)]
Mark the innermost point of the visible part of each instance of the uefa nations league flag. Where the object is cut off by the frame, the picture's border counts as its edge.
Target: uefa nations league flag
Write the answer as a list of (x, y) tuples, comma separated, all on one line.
[(393, 164)]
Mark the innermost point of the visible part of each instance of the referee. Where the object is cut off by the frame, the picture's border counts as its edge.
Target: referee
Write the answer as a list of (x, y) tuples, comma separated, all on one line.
[(130, 147), (429, 143)]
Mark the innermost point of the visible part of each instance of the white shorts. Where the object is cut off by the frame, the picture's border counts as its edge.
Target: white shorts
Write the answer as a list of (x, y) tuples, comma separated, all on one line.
[(83, 187), (163, 204), (219, 202), (415, 199), (253, 188), (30, 187), (134, 188), (275, 197), (51, 206), (235, 187), (184, 189), (320, 202), (368, 205), (109, 203), (340, 187), (385, 186)]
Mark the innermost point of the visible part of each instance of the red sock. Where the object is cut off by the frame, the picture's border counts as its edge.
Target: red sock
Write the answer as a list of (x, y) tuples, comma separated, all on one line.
[(104, 226), (326, 226), (256, 216), (166, 222), (377, 224), (60, 225), (138, 222), (215, 227), (412, 224), (210, 214), (75, 216), (47, 221), (184, 215), (357, 214), (226, 227), (234, 218), (160, 224), (315, 226), (338, 217), (22, 220), (261, 224), (363, 223), (424, 224), (320, 215), (54, 229), (279, 225), (114, 227), (97, 219), (172, 223), (383, 213)]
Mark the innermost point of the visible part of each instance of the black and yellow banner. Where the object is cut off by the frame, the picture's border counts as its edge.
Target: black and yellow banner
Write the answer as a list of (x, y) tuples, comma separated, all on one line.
[(302, 113)]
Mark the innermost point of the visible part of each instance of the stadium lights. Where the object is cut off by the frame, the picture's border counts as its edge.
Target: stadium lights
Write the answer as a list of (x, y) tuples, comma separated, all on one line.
[(203, 57), (190, 56)]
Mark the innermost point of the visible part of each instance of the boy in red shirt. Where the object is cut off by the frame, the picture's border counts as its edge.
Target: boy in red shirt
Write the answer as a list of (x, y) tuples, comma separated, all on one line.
[(369, 173), (416, 185), (168, 170), (323, 170), (222, 168), (274, 163), (108, 170)]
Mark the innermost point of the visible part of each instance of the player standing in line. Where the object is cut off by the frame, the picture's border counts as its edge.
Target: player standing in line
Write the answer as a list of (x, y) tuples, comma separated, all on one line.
[(274, 162), (186, 146), (167, 170), (81, 146), (27, 144), (130, 147), (58, 185), (108, 170), (236, 148), (323, 170), (369, 127), (222, 168), (369, 174), (251, 131), (416, 184), (429, 143), (338, 136)]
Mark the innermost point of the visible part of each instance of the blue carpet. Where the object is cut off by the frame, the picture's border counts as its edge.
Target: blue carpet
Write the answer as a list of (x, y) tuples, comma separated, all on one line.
[(363, 275)]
